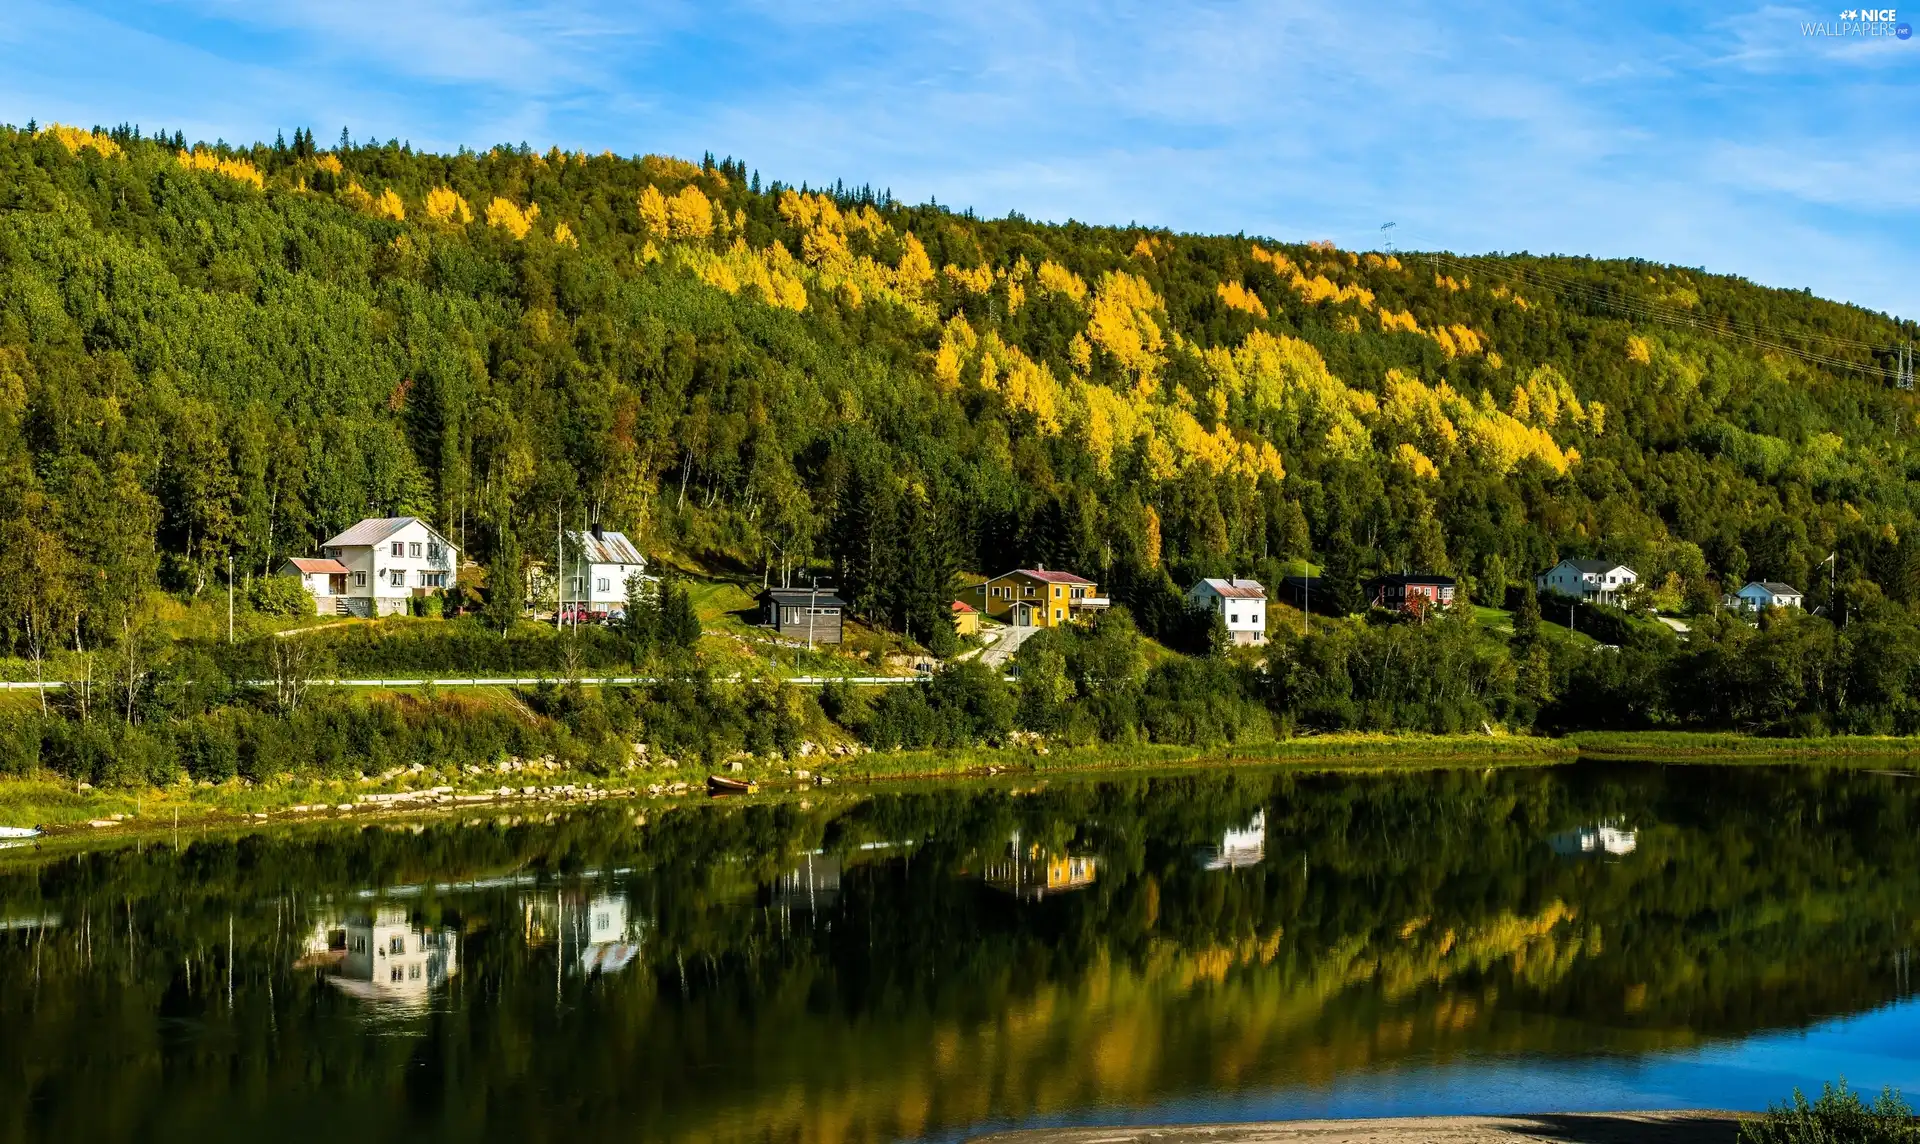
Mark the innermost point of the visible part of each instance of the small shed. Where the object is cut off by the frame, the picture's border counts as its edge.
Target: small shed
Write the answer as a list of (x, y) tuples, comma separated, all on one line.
[(811, 614), (966, 619)]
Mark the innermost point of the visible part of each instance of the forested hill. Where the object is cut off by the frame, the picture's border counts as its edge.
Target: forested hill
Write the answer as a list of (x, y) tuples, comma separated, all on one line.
[(210, 351)]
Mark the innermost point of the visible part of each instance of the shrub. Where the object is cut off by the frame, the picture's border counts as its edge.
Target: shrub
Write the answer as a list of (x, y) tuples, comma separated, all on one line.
[(1838, 1117), (278, 596)]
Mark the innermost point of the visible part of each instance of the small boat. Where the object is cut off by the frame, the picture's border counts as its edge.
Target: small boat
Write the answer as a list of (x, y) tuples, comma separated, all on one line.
[(717, 784), (19, 832)]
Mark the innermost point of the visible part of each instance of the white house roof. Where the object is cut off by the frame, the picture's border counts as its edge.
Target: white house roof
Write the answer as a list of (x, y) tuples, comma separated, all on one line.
[(1234, 589), (1772, 588), (373, 531), (1592, 567), (608, 548)]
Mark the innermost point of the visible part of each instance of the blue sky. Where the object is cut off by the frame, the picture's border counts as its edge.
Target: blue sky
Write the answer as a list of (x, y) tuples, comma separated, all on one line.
[(1704, 134)]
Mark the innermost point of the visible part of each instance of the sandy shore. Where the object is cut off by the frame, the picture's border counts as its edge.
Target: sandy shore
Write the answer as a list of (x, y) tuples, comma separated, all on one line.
[(1570, 1128)]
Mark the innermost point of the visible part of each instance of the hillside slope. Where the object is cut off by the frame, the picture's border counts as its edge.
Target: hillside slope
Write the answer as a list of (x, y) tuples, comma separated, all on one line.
[(218, 352)]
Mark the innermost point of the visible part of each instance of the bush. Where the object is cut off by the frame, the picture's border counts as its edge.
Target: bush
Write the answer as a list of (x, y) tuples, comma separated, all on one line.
[(279, 596), (1838, 1117)]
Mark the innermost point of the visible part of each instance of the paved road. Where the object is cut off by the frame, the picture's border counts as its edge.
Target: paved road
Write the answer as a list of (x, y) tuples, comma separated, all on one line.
[(999, 653), (528, 681)]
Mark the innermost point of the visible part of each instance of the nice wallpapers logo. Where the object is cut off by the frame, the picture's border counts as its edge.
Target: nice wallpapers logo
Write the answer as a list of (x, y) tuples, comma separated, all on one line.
[(1861, 22)]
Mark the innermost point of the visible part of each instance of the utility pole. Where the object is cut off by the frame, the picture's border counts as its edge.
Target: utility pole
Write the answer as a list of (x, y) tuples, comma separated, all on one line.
[(813, 595), (560, 568), (1833, 581), (229, 597), (1386, 235), (1904, 379)]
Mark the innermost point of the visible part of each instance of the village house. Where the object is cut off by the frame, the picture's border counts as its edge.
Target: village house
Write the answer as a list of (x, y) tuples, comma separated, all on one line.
[(597, 567), (1036, 598), (1299, 591), (377, 568), (1759, 595), (811, 614), (966, 619), (1415, 594), (1595, 581), (1241, 605)]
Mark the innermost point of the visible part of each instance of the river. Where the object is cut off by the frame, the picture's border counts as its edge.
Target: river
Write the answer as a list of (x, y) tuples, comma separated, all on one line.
[(921, 963)]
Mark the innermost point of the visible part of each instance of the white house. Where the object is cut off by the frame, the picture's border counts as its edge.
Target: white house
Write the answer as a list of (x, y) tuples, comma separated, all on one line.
[(1595, 581), (377, 567), (595, 574), (1760, 595), (1241, 603)]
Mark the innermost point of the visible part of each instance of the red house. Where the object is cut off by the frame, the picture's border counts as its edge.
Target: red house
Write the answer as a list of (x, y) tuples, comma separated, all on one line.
[(1417, 594)]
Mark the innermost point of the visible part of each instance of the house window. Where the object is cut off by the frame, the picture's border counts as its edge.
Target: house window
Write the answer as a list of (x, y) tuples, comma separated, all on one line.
[(433, 550), (1058, 592), (433, 579), (397, 945), (398, 577), (399, 549), (359, 579), (1056, 614), (413, 550), (397, 974), (413, 973), (600, 585)]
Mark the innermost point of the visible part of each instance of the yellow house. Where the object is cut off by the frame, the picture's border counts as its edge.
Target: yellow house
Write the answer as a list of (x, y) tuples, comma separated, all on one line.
[(966, 619), (1036, 598)]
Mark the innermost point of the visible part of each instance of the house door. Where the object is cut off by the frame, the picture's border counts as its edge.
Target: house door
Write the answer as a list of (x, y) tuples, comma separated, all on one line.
[(337, 584), (1023, 615)]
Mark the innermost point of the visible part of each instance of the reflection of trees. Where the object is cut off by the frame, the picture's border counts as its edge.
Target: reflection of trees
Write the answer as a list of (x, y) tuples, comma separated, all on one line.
[(1391, 913)]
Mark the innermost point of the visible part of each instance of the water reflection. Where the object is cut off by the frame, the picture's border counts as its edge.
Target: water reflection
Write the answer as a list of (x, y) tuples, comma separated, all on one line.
[(591, 934), (1242, 847), (925, 962), (1608, 839), (380, 956), (1030, 872)]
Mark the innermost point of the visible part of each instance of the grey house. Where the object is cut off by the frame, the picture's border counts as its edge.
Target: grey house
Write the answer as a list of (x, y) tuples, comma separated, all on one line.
[(810, 614)]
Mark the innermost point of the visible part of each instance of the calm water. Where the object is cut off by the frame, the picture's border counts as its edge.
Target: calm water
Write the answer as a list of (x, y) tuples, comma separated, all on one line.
[(927, 963)]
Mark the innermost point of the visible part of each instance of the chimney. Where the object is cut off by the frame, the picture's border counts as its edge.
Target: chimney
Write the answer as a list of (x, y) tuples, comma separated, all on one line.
[(598, 532)]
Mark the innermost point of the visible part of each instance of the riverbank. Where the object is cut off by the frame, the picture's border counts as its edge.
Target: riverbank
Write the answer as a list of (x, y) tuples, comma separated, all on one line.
[(1659, 745), (1562, 1128), (65, 808)]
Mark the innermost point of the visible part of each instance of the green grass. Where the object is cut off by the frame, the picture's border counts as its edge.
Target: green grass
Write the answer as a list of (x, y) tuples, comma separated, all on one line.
[(1494, 619), (1715, 744)]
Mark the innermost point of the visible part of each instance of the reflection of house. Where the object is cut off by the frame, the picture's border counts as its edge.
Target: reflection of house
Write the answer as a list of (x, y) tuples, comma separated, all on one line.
[(1032, 873), (383, 957), (1036, 598), (1594, 840), (812, 885), (594, 935), (1245, 846)]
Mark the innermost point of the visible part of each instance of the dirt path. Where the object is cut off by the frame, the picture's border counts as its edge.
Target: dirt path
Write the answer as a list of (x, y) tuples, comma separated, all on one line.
[(1569, 1128)]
